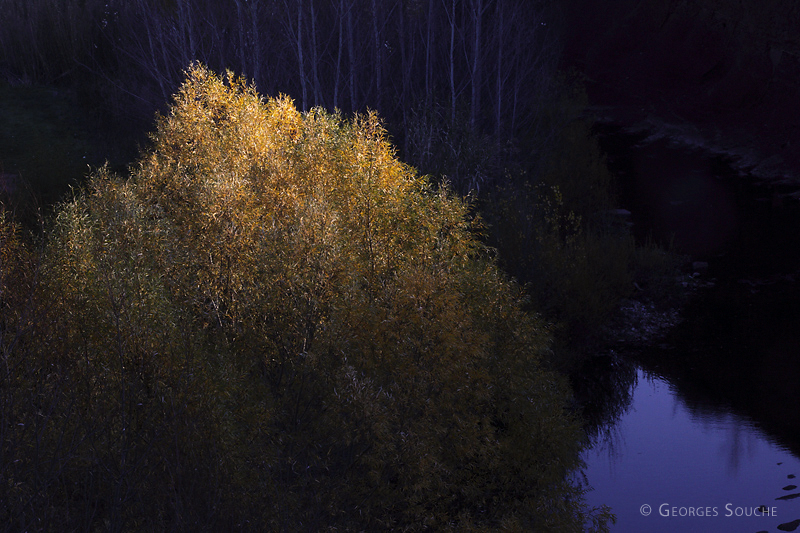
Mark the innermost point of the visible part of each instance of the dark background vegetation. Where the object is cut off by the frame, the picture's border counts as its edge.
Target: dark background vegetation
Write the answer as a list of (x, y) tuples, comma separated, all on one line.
[(455, 81), (730, 70), (493, 97)]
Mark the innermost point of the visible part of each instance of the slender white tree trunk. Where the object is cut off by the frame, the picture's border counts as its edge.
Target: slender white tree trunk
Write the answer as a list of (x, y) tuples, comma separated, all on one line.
[(337, 76), (315, 57), (242, 41), (498, 112), (300, 62), (351, 56), (255, 39), (452, 17), (477, 14), (378, 53), (428, 50)]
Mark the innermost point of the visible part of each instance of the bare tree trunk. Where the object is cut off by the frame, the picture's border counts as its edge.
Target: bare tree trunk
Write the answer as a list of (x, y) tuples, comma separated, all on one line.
[(352, 57), (300, 58), (337, 78), (498, 112), (242, 42), (406, 61), (452, 18), (378, 54), (477, 18), (428, 52), (184, 34), (218, 37), (314, 57), (256, 39), (159, 74)]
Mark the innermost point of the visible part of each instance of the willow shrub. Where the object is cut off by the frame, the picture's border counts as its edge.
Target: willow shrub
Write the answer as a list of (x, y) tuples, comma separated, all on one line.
[(276, 325)]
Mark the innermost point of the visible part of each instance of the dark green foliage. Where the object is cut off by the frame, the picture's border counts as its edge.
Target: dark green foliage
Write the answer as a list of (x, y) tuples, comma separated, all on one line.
[(557, 235), (43, 140)]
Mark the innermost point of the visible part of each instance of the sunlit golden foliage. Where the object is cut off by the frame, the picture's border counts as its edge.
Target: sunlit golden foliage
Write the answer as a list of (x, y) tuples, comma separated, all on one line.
[(276, 325)]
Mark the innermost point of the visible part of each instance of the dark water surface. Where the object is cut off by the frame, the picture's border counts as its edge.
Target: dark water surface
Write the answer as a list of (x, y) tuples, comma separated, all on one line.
[(704, 428), (670, 466)]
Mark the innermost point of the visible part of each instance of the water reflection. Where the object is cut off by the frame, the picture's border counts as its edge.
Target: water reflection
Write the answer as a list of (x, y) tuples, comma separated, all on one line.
[(713, 422), (604, 389), (698, 467)]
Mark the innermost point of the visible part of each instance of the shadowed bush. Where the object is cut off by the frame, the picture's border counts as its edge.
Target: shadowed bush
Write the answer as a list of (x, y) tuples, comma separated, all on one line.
[(560, 238)]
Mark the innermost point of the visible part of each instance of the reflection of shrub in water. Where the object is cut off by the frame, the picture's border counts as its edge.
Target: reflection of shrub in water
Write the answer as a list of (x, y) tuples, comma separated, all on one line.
[(603, 388)]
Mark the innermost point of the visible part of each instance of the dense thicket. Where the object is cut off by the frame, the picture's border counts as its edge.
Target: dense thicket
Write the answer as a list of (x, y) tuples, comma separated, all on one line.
[(273, 325)]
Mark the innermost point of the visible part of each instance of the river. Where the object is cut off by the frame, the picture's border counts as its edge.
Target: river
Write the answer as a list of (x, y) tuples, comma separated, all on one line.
[(701, 432), (674, 465)]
